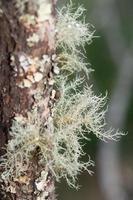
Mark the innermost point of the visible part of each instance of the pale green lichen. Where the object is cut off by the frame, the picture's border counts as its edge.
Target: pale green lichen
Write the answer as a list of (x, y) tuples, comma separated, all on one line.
[(28, 20), (33, 39), (80, 110), (76, 114), (27, 134), (72, 32), (44, 9), (71, 62)]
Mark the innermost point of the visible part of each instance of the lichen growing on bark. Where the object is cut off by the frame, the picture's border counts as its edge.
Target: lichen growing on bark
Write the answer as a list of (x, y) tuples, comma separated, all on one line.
[(64, 111)]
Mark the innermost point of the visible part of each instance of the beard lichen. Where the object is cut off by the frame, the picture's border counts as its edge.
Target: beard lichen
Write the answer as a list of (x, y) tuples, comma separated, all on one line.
[(76, 113)]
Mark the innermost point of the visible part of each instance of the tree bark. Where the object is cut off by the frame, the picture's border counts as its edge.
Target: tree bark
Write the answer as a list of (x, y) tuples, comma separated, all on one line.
[(19, 22)]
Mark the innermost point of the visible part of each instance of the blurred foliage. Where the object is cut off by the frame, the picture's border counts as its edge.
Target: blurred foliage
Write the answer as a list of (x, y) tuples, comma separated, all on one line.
[(125, 8), (98, 56)]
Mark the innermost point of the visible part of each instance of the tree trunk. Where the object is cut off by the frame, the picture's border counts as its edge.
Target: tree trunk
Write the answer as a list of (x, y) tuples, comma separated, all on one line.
[(26, 31)]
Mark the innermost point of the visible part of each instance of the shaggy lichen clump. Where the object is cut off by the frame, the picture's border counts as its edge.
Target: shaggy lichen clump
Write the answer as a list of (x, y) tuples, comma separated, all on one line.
[(79, 110), (72, 31), (75, 113), (72, 34)]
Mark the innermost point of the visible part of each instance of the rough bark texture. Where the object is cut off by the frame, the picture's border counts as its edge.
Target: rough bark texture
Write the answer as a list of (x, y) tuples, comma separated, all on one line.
[(14, 31)]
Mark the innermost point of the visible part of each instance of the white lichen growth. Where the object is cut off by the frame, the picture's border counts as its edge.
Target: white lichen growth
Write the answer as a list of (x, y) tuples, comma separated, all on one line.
[(44, 9), (82, 111), (58, 151), (75, 115), (57, 140), (72, 32), (32, 40), (71, 62), (27, 20), (25, 137)]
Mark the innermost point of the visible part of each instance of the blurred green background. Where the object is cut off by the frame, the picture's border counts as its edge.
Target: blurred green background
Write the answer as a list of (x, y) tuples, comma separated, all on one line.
[(111, 56)]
